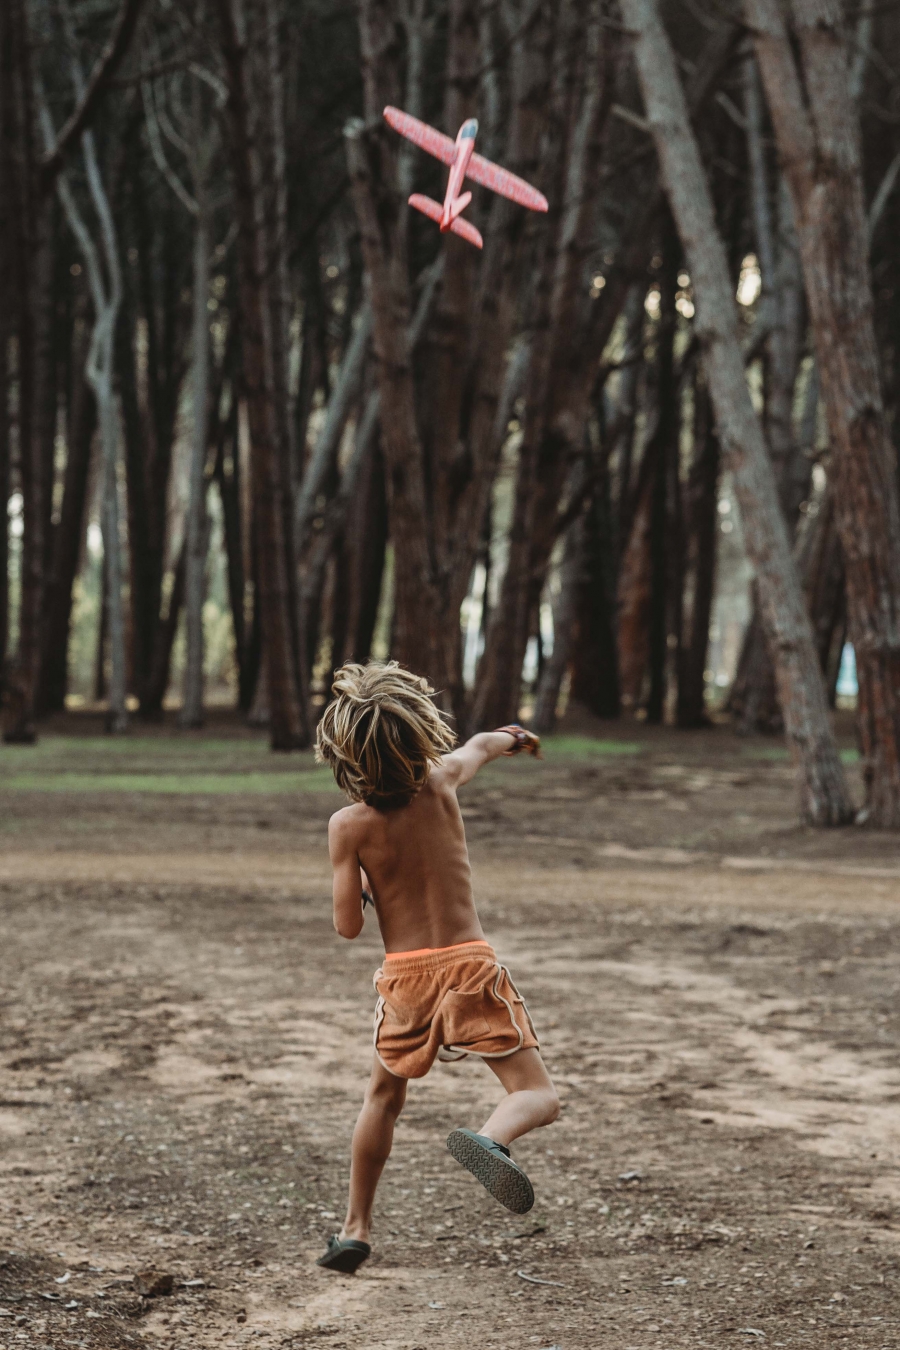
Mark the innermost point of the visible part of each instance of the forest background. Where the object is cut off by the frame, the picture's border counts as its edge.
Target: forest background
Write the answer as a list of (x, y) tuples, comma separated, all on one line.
[(257, 419)]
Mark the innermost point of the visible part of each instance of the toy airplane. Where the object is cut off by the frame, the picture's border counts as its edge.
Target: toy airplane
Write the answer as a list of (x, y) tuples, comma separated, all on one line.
[(464, 163)]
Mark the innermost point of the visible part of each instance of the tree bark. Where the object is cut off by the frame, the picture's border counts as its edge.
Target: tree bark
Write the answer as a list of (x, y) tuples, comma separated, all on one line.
[(288, 725), (823, 790), (565, 621), (68, 534), (781, 311), (595, 667), (807, 82), (26, 243), (197, 531), (664, 449), (702, 513)]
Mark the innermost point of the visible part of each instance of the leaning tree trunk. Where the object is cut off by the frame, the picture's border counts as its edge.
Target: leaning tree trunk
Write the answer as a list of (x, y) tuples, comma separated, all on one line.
[(807, 82), (781, 310), (823, 789)]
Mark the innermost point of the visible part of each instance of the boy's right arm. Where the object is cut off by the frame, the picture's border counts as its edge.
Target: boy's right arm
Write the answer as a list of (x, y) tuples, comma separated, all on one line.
[(347, 887), (464, 763)]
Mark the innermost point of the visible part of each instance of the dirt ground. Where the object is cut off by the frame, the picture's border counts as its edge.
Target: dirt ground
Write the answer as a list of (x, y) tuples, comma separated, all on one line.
[(185, 1042)]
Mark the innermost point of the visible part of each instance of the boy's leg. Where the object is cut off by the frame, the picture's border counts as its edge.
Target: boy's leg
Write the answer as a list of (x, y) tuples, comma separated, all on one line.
[(372, 1139), (530, 1101), (531, 1097)]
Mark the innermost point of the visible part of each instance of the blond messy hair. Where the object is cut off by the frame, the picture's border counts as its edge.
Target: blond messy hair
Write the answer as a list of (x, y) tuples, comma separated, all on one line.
[(381, 733)]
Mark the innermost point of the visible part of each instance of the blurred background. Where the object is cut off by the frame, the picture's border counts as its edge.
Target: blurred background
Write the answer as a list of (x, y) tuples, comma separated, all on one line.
[(202, 507)]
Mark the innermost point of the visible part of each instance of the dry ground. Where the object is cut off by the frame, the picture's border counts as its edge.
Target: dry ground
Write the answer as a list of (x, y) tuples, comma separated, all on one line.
[(185, 1041)]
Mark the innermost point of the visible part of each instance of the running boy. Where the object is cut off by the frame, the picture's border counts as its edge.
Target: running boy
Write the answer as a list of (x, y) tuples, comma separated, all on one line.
[(441, 991)]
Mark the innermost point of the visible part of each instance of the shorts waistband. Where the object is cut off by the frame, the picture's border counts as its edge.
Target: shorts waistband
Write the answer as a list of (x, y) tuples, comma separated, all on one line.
[(430, 958)]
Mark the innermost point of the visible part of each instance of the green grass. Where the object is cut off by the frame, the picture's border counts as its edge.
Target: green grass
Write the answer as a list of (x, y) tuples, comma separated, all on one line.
[(115, 748), (778, 752), (182, 784), (585, 747)]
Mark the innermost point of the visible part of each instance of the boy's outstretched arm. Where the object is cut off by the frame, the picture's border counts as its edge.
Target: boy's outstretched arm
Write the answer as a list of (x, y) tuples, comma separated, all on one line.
[(347, 888), (479, 750)]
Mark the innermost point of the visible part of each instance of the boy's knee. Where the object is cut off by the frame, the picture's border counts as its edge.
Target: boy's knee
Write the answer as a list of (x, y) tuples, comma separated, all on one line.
[(553, 1107), (388, 1096)]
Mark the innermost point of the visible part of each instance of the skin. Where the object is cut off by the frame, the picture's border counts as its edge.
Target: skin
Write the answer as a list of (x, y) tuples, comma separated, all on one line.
[(415, 863)]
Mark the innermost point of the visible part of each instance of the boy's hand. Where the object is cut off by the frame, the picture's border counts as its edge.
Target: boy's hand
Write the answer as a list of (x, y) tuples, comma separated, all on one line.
[(524, 741)]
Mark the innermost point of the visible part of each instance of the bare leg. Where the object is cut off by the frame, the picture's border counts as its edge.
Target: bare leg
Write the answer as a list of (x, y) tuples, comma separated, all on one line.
[(531, 1099), (371, 1147)]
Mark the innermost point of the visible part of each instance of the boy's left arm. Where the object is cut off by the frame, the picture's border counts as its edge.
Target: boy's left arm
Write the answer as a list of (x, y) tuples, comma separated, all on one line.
[(347, 890)]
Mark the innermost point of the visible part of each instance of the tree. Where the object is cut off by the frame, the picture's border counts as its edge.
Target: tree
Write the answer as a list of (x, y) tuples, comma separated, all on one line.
[(823, 791), (806, 74), (101, 257), (289, 719), (193, 132)]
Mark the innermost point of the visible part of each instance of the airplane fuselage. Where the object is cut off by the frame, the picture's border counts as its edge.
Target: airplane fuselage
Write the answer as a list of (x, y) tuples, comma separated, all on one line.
[(454, 202)]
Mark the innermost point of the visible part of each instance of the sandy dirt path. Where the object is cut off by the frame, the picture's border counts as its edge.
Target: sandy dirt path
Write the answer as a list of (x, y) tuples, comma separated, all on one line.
[(185, 1044)]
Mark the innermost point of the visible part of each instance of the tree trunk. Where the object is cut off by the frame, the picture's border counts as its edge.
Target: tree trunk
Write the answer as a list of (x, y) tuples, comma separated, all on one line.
[(633, 592), (4, 457), (823, 790), (191, 714), (68, 537), (781, 309), (702, 511), (288, 725), (158, 676), (27, 229), (565, 620), (595, 666), (365, 541), (817, 130), (227, 475), (664, 448)]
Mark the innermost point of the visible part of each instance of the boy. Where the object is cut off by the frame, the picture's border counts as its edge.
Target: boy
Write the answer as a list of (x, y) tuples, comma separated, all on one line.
[(442, 993)]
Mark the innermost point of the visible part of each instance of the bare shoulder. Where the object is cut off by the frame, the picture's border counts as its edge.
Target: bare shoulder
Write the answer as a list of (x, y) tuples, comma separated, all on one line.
[(444, 775), (346, 825)]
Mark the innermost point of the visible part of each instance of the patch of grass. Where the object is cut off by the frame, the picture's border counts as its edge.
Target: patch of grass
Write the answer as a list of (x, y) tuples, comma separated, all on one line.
[(117, 748), (187, 784), (779, 753), (585, 747)]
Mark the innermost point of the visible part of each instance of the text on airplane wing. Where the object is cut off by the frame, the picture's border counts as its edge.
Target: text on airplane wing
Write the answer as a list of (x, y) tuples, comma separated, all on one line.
[(422, 135), (490, 175)]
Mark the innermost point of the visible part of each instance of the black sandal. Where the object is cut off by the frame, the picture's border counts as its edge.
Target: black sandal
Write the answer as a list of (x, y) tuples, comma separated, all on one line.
[(490, 1163), (345, 1255)]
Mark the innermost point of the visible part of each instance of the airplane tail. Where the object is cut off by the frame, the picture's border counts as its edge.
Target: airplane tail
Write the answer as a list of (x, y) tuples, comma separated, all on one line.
[(459, 205), (434, 211)]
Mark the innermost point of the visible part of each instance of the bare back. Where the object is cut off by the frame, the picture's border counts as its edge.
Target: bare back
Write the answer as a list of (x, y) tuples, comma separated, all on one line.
[(417, 863)]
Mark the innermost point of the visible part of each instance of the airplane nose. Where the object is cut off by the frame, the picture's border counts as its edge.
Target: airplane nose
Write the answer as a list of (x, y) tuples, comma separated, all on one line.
[(470, 129)]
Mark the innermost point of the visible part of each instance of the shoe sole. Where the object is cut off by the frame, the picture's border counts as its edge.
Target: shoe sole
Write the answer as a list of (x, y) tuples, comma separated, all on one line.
[(498, 1175), (345, 1262)]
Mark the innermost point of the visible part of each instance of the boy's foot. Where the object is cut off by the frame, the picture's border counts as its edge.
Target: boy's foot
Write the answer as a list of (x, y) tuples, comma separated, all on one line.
[(491, 1164), (344, 1254)]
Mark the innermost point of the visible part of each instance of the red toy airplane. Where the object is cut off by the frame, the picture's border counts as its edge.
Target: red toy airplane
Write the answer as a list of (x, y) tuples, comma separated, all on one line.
[(464, 163)]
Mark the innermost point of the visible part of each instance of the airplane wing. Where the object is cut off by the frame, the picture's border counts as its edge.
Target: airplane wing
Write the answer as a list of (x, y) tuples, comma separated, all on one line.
[(421, 134), (490, 175)]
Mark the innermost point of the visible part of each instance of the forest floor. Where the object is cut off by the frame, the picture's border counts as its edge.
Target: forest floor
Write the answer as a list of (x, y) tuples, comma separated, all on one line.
[(185, 1043)]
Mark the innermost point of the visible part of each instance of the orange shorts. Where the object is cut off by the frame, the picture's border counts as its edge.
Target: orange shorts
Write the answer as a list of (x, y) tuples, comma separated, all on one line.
[(447, 1003)]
